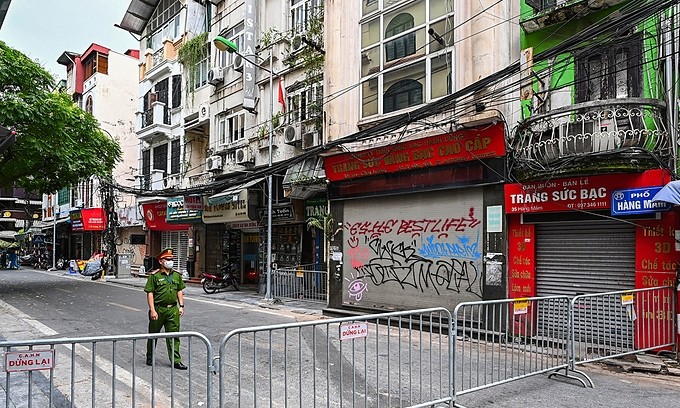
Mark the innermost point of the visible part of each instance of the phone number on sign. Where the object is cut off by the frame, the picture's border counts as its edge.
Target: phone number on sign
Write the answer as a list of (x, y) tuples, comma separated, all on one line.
[(589, 205)]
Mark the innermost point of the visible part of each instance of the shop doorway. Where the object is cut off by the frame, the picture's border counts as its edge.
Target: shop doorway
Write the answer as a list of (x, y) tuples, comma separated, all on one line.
[(251, 244)]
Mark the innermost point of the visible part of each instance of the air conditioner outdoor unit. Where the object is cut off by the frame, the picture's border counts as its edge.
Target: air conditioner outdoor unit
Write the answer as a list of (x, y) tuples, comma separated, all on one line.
[(216, 76), (203, 112), (296, 44), (238, 63), (213, 163), (243, 156), (310, 139), (292, 135)]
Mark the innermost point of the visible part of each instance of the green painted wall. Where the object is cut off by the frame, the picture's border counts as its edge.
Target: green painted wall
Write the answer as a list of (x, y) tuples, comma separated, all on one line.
[(549, 37)]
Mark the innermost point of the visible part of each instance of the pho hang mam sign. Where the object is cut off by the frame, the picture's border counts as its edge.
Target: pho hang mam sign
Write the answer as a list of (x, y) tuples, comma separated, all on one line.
[(461, 146)]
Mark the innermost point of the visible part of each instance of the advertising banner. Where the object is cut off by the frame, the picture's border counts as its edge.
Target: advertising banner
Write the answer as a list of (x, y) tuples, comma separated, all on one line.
[(154, 215)]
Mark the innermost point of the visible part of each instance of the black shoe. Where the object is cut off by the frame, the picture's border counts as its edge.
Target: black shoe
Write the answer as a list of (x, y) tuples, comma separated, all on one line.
[(149, 362), (180, 366)]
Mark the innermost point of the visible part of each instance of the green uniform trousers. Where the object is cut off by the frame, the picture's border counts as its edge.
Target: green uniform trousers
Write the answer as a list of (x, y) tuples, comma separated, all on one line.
[(168, 317)]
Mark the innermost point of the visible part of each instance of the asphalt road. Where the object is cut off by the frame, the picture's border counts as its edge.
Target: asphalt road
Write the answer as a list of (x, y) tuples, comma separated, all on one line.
[(38, 304)]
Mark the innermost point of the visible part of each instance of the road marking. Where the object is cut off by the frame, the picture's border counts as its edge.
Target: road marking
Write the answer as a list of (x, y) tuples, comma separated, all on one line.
[(28, 319), (63, 290), (212, 302), (125, 307)]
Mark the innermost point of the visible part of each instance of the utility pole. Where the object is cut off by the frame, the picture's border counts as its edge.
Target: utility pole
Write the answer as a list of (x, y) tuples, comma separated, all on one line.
[(109, 233)]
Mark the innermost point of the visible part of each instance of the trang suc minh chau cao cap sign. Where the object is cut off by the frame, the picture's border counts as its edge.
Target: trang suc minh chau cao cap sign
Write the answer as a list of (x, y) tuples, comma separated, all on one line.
[(455, 147)]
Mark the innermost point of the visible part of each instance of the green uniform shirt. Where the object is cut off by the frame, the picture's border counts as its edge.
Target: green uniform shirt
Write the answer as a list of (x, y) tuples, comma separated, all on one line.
[(164, 287)]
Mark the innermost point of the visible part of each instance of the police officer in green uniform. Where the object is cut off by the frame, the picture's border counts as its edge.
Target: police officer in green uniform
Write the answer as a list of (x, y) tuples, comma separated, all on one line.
[(166, 304)]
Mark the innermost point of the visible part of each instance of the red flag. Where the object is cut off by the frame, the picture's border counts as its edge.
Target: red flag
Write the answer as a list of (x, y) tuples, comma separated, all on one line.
[(282, 97)]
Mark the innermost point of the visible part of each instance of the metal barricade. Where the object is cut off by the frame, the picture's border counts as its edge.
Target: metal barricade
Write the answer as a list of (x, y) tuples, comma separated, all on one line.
[(302, 282), (505, 340), (614, 324), (106, 371), (389, 359)]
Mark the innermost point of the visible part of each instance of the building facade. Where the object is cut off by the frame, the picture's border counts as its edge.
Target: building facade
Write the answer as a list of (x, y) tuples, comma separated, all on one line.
[(418, 202), (205, 131), (597, 141)]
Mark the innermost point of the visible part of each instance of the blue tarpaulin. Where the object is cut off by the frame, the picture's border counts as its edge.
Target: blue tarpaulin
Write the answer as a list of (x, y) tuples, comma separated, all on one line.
[(670, 193)]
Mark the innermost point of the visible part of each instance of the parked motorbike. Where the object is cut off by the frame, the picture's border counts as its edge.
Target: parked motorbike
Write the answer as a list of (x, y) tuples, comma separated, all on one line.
[(212, 283)]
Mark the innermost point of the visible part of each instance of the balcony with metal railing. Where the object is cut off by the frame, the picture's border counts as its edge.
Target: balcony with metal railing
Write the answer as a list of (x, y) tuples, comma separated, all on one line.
[(154, 123), (551, 12), (620, 127), (200, 179)]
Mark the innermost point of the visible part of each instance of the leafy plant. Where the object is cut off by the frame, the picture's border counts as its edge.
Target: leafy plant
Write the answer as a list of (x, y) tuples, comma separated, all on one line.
[(325, 223), (58, 144), (189, 55)]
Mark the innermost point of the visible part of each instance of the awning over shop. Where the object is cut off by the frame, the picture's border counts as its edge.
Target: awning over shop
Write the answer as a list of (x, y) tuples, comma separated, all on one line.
[(137, 15), (6, 244), (228, 195), (304, 179), (7, 234), (670, 193)]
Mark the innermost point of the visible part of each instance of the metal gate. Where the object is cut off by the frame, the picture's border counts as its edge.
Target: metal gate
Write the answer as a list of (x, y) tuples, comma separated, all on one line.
[(179, 242), (106, 371)]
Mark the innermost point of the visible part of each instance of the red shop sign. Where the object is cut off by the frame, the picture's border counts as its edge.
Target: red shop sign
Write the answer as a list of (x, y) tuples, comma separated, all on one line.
[(576, 193), (88, 219), (154, 215), (460, 146)]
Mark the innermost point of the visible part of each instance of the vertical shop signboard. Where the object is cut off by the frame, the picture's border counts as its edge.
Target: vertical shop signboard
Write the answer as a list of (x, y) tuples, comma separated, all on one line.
[(522, 263), (655, 265), (522, 273)]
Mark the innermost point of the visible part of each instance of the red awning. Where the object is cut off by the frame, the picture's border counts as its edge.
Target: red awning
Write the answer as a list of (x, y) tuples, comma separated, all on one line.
[(154, 215)]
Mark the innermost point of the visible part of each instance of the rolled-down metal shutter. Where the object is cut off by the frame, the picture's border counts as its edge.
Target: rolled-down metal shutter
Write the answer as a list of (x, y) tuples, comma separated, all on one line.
[(179, 242), (586, 257)]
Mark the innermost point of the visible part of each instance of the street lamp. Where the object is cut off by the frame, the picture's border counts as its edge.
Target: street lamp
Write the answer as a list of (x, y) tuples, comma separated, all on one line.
[(223, 44)]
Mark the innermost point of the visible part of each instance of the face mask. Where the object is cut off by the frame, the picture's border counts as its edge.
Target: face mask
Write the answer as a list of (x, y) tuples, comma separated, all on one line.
[(168, 264)]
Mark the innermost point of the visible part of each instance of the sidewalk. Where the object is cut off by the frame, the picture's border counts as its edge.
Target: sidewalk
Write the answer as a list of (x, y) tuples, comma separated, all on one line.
[(194, 289)]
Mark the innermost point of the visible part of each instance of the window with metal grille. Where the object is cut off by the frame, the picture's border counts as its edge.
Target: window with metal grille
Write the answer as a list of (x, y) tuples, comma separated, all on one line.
[(146, 169), (175, 157), (177, 90), (609, 73), (160, 157)]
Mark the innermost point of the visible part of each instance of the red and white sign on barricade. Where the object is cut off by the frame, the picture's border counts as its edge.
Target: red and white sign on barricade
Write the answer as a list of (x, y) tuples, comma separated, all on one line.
[(29, 360)]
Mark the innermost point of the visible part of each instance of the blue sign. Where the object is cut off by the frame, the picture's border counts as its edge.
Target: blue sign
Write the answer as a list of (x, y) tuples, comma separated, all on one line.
[(637, 201), (38, 240)]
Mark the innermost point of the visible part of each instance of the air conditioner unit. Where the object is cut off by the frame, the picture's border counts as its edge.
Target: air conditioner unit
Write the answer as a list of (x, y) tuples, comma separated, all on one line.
[(216, 76), (310, 139), (296, 44), (292, 135), (243, 156), (204, 112), (213, 163), (238, 63), (79, 203)]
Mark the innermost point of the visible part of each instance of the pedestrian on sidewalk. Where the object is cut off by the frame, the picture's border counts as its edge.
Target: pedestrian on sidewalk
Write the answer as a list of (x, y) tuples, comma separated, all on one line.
[(165, 297), (13, 259)]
